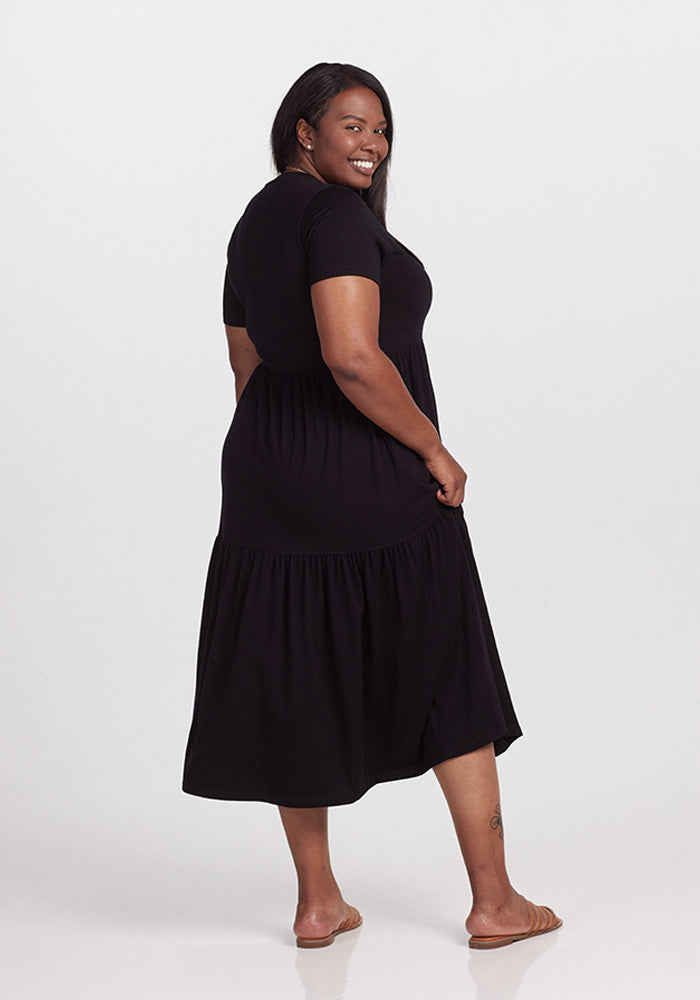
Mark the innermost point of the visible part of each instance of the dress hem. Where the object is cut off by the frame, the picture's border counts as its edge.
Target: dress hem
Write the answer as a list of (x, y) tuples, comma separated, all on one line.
[(501, 744)]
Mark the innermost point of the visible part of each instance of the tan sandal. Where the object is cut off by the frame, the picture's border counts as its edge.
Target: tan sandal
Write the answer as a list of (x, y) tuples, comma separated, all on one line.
[(543, 920), (349, 924)]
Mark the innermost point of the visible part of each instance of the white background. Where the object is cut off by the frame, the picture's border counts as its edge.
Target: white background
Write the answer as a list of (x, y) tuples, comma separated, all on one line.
[(545, 170)]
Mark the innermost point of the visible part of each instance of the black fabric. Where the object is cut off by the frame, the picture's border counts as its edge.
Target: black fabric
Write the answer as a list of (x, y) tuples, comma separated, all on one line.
[(344, 638)]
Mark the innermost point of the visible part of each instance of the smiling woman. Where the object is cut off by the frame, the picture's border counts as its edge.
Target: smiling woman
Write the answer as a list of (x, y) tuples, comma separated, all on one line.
[(345, 639), (347, 137)]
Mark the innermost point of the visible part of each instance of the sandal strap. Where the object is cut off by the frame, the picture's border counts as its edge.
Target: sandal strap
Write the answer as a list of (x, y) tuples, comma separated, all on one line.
[(534, 917), (545, 917), (351, 919)]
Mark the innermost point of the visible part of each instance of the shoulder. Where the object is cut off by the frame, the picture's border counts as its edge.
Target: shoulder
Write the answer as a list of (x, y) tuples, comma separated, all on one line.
[(339, 198), (335, 205)]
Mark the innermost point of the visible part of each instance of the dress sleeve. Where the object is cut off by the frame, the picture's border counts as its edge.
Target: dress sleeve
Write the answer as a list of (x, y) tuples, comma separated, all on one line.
[(339, 234), (233, 310)]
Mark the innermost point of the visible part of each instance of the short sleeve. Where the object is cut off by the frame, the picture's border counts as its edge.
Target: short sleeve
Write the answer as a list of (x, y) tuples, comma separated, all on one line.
[(340, 235), (233, 309)]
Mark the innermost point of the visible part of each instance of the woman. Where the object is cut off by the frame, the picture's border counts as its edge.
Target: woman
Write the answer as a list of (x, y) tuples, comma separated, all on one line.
[(344, 640)]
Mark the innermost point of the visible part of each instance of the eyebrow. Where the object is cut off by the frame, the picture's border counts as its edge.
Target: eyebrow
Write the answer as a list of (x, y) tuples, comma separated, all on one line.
[(359, 118)]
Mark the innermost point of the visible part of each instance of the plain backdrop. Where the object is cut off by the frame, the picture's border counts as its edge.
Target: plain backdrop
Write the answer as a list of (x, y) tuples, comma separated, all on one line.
[(545, 169)]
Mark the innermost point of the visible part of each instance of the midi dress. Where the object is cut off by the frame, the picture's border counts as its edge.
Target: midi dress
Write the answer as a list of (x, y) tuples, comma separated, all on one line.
[(344, 638)]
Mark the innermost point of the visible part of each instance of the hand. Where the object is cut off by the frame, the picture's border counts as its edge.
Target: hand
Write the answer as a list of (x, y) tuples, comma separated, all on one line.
[(451, 476)]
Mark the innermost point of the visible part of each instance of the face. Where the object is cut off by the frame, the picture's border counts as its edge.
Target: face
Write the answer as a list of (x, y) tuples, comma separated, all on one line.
[(352, 129)]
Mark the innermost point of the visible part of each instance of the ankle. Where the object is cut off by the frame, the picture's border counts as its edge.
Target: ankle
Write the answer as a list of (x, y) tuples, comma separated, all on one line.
[(319, 899), (493, 900)]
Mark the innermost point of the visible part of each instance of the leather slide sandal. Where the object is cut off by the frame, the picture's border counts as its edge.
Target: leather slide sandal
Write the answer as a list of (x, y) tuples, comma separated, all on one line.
[(349, 924), (543, 920)]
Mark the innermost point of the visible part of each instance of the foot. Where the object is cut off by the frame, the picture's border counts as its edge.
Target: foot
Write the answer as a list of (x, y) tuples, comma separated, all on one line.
[(317, 920), (511, 917)]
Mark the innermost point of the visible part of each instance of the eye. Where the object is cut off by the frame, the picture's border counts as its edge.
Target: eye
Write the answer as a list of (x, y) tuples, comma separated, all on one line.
[(382, 130)]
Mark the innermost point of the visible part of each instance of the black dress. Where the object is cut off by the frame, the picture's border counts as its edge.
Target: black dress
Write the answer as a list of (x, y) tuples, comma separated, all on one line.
[(344, 637)]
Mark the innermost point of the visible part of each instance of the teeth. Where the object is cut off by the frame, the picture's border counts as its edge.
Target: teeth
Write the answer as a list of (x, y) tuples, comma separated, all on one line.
[(363, 163)]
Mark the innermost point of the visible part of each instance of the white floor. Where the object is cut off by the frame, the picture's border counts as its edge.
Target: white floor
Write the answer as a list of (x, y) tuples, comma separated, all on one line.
[(125, 890)]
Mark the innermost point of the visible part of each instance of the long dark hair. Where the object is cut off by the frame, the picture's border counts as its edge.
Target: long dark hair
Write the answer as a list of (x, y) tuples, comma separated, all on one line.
[(308, 98)]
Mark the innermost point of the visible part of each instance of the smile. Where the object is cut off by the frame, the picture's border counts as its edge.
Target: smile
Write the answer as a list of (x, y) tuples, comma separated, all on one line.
[(364, 166)]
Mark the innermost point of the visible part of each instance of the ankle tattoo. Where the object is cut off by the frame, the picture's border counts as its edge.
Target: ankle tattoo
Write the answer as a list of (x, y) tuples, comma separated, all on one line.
[(497, 821)]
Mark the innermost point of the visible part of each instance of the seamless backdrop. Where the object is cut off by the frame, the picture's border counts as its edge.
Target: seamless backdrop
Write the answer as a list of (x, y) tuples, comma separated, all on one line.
[(554, 147)]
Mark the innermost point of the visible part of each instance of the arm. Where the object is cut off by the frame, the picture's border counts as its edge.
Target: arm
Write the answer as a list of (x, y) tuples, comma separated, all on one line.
[(346, 309), (242, 356), (347, 319)]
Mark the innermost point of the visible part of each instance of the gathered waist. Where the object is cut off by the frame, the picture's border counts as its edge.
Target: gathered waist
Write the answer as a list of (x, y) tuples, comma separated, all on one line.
[(391, 352), (273, 370)]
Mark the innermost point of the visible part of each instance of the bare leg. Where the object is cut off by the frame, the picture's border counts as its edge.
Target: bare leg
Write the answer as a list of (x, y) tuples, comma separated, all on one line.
[(470, 786), (320, 904)]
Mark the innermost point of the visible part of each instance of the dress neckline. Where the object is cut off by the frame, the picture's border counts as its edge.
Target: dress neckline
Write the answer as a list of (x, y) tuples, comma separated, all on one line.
[(299, 173)]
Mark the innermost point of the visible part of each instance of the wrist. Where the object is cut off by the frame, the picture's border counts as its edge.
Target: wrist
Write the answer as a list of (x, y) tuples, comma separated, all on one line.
[(433, 450)]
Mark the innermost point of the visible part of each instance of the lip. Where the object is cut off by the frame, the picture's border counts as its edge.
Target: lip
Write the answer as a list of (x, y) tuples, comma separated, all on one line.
[(363, 170)]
